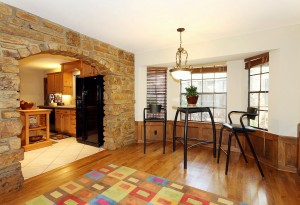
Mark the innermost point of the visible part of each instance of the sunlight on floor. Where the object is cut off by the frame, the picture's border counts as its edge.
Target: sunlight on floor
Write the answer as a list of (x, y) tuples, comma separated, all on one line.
[(63, 152)]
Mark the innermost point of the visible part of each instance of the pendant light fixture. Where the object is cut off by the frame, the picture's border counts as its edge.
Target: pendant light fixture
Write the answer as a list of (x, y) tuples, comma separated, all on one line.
[(180, 71)]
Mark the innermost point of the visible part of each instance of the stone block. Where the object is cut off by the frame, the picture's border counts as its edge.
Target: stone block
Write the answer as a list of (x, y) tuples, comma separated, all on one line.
[(9, 46), (43, 47), (10, 128), (5, 9), (11, 156), (11, 178), (1, 16), (53, 26), (12, 39), (10, 53), (20, 31), (10, 69), (14, 143), (9, 94), (34, 49), (9, 81), (3, 148), (8, 61), (53, 46), (8, 114), (109, 146), (55, 39), (27, 16), (24, 52), (15, 21), (45, 30), (73, 39)]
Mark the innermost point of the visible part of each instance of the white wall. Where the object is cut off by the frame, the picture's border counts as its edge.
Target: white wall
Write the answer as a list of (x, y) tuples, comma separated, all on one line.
[(284, 96), (32, 85), (237, 86)]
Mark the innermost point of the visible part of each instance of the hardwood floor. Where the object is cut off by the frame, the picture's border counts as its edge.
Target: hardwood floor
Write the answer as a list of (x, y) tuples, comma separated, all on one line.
[(243, 182)]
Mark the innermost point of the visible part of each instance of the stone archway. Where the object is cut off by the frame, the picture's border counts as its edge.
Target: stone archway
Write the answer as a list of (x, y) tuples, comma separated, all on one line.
[(23, 35)]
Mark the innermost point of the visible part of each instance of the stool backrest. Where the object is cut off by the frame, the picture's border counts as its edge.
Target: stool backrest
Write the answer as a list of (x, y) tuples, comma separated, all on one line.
[(251, 110)]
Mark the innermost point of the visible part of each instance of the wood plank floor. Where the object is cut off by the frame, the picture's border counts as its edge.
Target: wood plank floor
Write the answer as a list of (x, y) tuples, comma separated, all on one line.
[(243, 182)]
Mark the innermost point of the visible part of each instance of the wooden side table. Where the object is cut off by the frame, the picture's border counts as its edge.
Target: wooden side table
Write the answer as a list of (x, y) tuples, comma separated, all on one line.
[(41, 123)]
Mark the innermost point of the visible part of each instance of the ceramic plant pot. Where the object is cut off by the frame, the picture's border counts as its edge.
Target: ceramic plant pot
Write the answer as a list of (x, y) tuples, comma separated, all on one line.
[(154, 108), (192, 100)]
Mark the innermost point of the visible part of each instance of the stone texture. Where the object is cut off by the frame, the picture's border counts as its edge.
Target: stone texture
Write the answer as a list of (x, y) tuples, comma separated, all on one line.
[(14, 143), (10, 53), (5, 9), (11, 178), (11, 156), (3, 148), (53, 26), (9, 81), (8, 61), (8, 114), (9, 104), (73, 39), (10, 46), (20, 31), (10, 69), (23, 34), (10, 128), (12, 39), (9, 94), (24, 52), (34, 49), (27, 16), (16, 21), (45, 30)]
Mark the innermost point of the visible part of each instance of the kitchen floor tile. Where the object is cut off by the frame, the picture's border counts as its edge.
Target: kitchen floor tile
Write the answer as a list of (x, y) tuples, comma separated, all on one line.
[(60, 153)]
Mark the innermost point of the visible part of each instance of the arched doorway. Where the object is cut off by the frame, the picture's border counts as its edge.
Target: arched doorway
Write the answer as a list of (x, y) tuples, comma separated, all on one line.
[(22, 35)]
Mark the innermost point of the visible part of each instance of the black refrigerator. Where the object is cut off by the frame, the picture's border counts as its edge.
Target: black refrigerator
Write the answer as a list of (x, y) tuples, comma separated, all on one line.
[(89, 110)]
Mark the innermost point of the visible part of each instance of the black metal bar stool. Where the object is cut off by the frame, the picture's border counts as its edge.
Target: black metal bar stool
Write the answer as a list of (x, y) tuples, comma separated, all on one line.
[(239, 128), (155, 119)]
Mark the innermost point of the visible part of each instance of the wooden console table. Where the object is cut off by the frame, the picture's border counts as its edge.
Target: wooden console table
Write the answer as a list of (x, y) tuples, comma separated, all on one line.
[(41, 124)]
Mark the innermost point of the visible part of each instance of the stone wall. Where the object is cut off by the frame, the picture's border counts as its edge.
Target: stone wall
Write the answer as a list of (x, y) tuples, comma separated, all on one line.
[(23, 34)]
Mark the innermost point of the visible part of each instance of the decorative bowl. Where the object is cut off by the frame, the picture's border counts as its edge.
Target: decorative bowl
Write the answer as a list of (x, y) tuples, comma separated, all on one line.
[(25, 105), (35, 138)]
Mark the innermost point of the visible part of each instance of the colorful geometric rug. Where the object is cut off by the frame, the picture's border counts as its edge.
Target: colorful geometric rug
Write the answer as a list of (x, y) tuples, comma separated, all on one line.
[(114, 184)]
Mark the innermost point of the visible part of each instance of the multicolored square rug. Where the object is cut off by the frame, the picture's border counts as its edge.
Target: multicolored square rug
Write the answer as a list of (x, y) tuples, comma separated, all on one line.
[(114, 184)]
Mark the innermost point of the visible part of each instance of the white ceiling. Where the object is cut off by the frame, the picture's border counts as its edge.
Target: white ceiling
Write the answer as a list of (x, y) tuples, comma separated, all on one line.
[(143, 25)]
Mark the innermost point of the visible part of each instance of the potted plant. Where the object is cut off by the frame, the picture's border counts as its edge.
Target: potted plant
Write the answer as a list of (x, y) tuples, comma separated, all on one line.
[(191, 95)]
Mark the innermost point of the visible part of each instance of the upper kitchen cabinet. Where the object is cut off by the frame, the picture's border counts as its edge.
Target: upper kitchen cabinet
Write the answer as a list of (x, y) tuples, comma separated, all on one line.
[(85, 69), (60, 82)]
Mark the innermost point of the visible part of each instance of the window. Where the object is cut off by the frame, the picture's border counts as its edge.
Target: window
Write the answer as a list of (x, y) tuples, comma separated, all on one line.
[(259, 88), (211, 83), (157, 88)]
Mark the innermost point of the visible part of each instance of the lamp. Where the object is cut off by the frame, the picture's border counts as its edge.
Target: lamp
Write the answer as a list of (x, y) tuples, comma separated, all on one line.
[(180, 72)]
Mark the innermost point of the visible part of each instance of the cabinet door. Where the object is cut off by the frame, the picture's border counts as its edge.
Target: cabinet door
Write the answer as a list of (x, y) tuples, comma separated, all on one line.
[(73, 122), (67, 81), (58, 121), (86, 71), (58, 82), (51, 83), (66, 123)]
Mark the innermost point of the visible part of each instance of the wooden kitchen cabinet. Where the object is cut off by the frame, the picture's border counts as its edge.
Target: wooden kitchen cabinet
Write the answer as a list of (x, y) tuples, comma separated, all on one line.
[(73, 122), (65, 121), (85, 69), (60, 82)]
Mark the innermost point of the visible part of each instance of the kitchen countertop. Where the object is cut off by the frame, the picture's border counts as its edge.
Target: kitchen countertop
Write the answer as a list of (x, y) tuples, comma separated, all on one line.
[(60, 107)]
